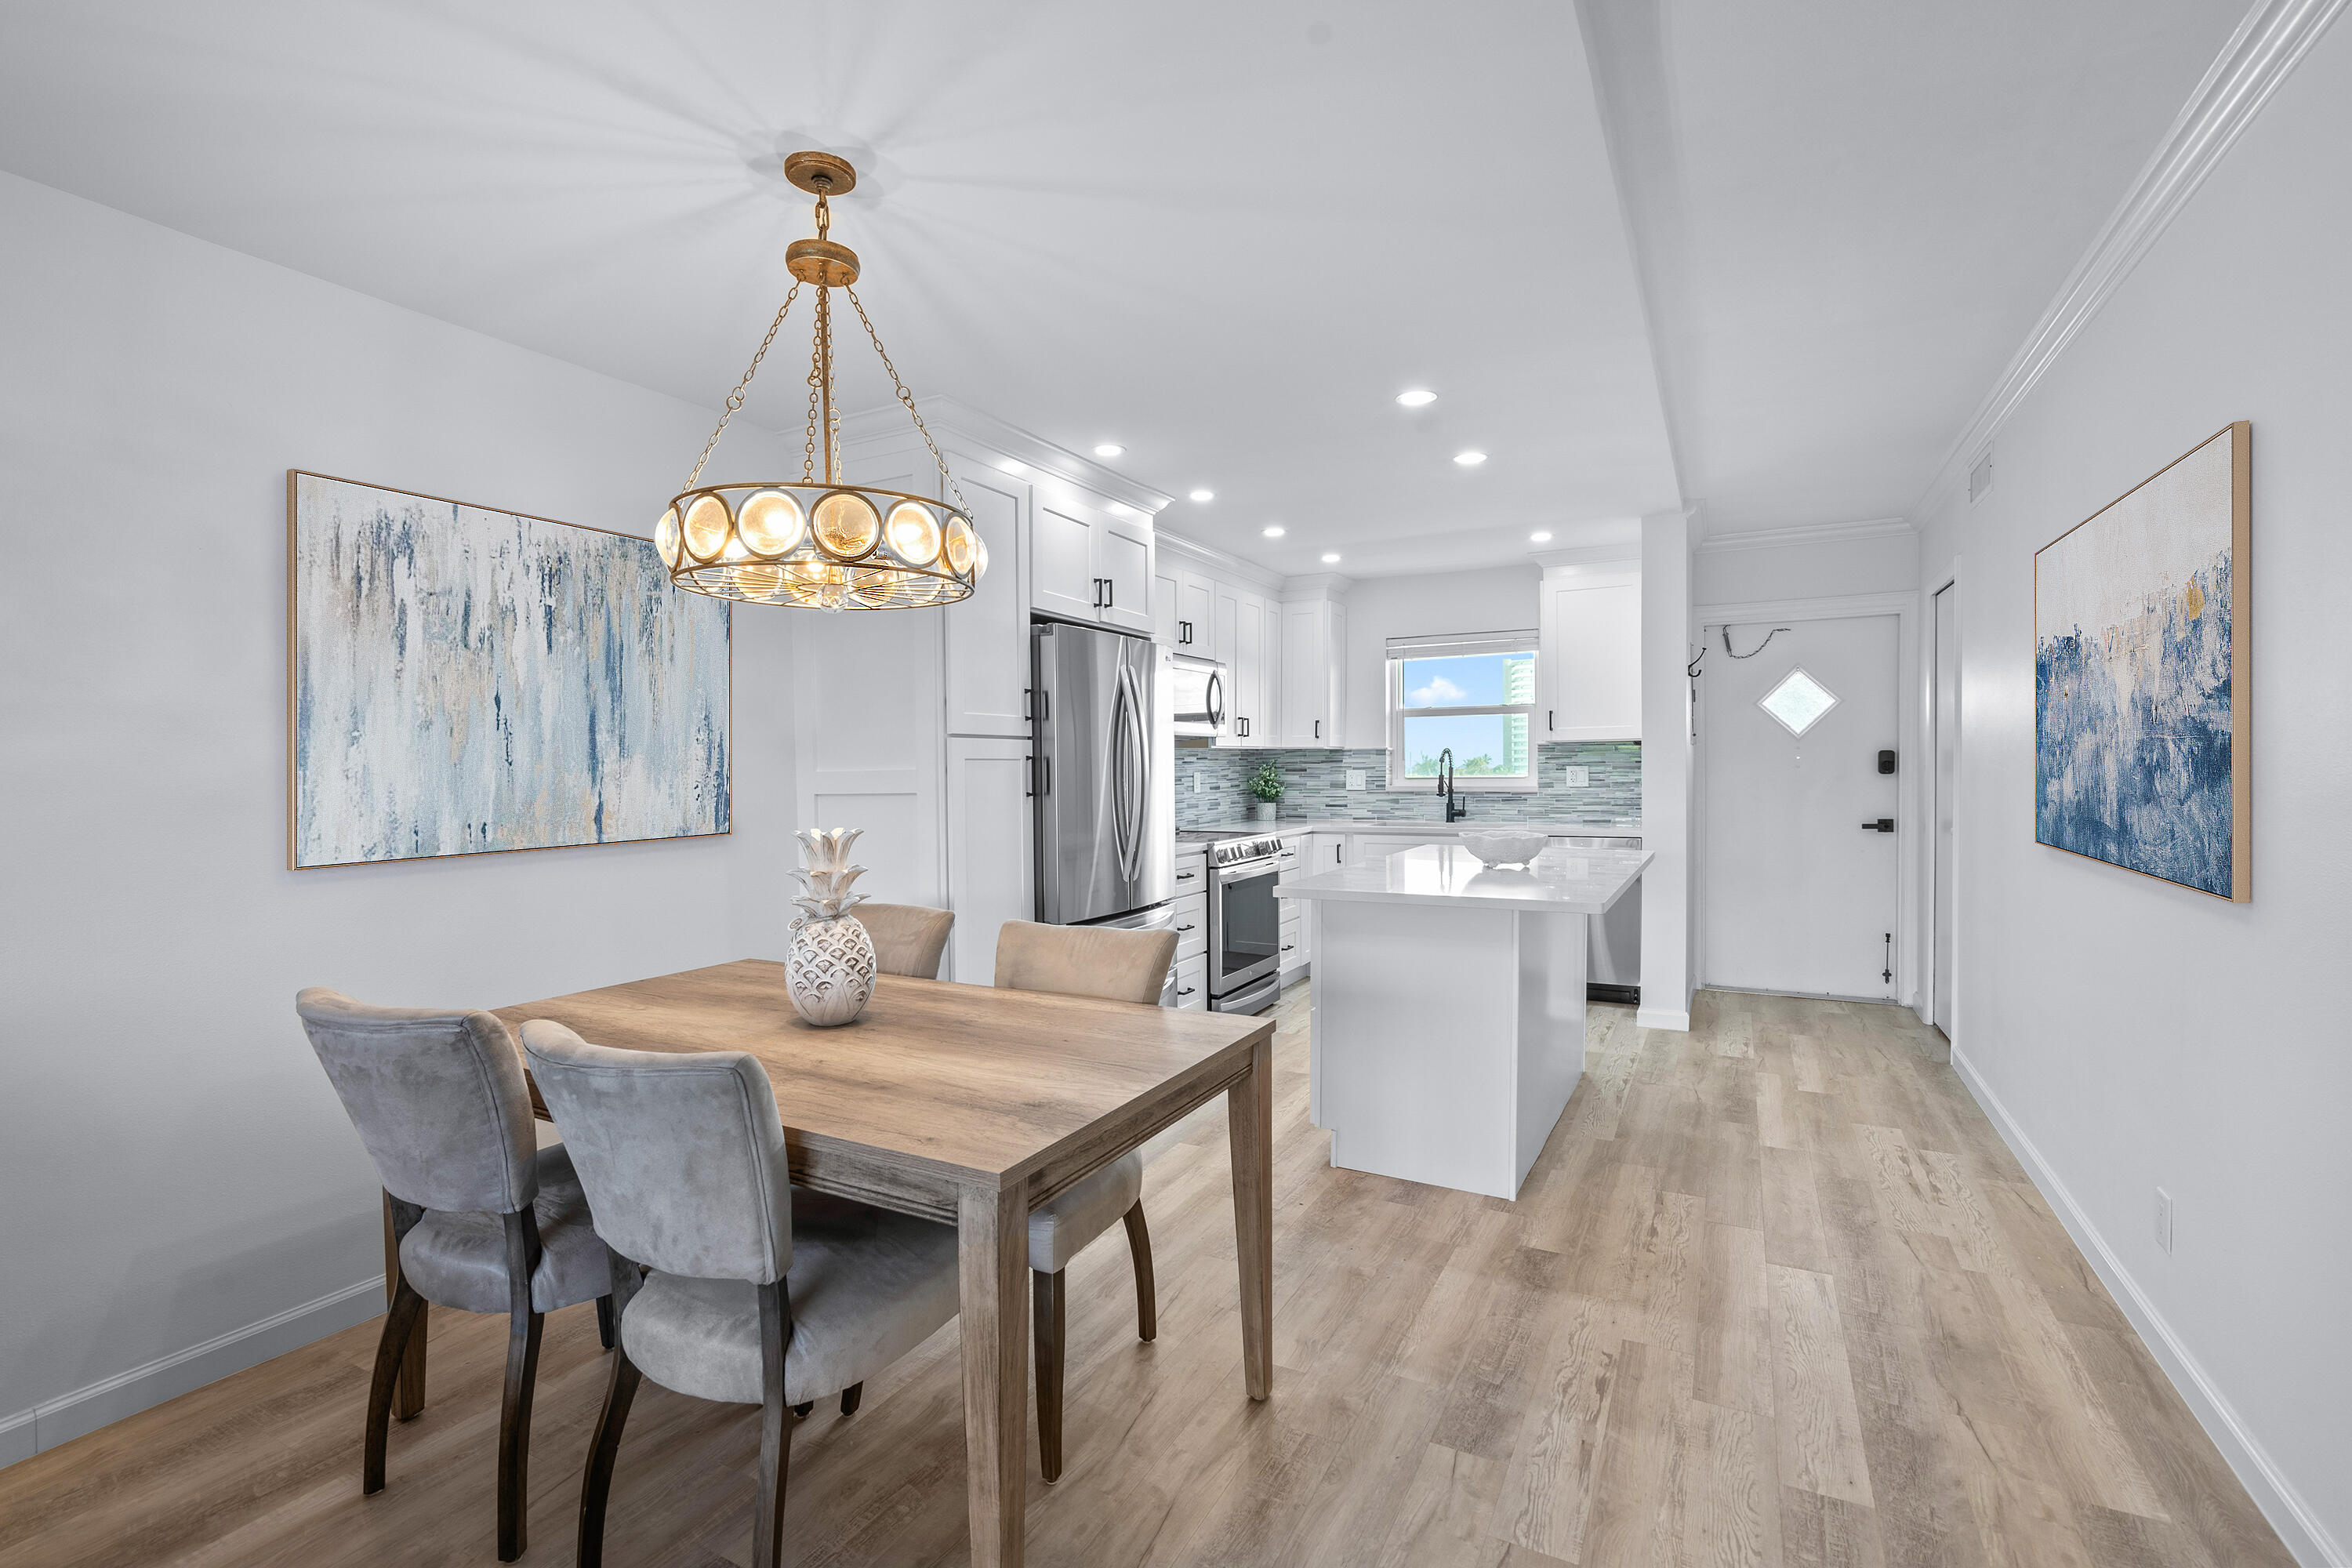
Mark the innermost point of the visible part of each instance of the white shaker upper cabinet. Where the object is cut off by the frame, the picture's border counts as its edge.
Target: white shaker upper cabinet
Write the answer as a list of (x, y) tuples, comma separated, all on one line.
[(1166, 621), (1123, 562), (1063, 580), (988, 634), (1086, 566), (1313, 671), (1591, 657)]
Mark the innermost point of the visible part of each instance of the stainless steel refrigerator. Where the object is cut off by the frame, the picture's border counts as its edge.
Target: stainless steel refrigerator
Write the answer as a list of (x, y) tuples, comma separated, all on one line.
[(1105, 800)]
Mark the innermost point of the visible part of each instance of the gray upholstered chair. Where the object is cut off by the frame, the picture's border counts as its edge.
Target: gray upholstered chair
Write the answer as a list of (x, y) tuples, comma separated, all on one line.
[(1118, 966), (907, 938), (483, 1220), (758, 1295)]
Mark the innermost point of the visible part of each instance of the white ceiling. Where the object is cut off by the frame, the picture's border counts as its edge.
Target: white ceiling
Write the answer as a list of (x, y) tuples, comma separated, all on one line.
[(1850, 214), (1224, 233)]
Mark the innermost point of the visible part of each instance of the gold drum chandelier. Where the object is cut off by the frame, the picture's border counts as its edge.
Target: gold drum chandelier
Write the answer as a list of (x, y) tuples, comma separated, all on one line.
[(818, 541)]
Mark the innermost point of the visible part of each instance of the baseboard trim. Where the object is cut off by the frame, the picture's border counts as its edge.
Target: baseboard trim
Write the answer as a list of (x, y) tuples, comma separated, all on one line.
[(93, 1405), (1662, 1018), (2298, 1527)]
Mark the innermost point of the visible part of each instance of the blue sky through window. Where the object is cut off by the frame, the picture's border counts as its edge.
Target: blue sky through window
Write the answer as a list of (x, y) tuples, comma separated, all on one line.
[(1473, 681)]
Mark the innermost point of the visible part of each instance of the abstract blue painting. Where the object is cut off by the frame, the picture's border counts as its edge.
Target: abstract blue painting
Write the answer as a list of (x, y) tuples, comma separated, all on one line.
[(464, 681), (2142, 716)]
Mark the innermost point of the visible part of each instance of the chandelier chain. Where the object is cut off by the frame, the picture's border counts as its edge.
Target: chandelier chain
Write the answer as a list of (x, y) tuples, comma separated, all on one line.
[(907, 400), (735, 398), (816, 365)]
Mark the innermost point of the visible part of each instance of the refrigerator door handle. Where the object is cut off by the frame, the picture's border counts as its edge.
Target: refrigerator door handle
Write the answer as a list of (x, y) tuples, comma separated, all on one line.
[(1128, 753)]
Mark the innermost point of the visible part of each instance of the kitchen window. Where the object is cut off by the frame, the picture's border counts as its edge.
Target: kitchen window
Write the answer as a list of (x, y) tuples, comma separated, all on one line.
[(1472, 694)]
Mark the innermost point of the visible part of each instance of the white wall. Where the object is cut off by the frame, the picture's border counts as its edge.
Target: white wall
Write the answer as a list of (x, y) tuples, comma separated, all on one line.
[(173, 1167), (2136, 1034), (1496, 599), (1744, 570)]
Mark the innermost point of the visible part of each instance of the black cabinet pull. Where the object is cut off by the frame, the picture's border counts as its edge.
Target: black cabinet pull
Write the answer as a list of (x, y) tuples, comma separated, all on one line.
[(1032, 790), (1183, 928), (1318, 728), (1027, 703), (1048, 787), (1110, 593), (1183, 990), (1186, 877), (1552, 718)]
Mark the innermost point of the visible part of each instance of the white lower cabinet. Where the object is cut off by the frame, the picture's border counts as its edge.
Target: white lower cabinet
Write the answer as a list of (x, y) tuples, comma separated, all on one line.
[(1293, 963), (989, 863), (1193, 926), (1193, 983)]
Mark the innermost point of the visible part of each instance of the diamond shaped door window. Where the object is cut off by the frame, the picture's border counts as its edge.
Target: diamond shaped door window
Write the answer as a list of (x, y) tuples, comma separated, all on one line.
[(1798, 703)]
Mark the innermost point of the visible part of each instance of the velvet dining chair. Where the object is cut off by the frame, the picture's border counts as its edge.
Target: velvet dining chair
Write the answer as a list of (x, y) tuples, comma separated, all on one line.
[(907, 938), (1116, 966), (759, 1294), (483, 1220)]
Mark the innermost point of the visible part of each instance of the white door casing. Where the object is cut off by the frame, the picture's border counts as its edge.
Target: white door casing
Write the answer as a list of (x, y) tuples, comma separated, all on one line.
[(1796, 895), (1946, 738)]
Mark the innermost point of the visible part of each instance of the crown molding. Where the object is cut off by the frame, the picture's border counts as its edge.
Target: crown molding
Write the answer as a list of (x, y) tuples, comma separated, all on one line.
[(1218, 560), (2268, 44), (1627, 553), (1808, 534), (948, 417), (1309, 586)]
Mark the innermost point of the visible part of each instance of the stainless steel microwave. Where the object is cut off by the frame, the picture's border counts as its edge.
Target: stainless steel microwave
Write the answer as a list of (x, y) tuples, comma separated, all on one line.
[(1196, 693)]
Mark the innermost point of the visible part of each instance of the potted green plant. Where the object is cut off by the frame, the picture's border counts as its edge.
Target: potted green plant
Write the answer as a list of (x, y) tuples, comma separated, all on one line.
[(1266, 786)]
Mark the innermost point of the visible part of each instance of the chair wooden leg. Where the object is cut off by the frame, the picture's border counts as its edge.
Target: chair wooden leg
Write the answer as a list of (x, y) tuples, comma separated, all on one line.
[(522, 1376), (409, 1394), (604, 1320), (1048, 1319), (408, 1306), (596, 1484), (850, 1398), (1147, 1298), (514, 1435), (775, 1429)]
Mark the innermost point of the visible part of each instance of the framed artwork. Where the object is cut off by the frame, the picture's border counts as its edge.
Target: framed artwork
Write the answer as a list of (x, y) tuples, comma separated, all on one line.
[(462, 681), (2142, 706)]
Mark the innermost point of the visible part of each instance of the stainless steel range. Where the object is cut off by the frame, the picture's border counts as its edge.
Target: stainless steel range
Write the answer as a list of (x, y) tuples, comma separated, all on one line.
[(1245, 923)]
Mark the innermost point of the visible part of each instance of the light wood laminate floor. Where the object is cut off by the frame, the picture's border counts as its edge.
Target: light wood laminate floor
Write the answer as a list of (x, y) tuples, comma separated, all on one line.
[(1776, 1293)]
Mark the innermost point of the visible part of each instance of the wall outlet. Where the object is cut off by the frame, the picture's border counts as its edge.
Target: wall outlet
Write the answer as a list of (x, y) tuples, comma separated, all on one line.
[(1579, 778), (1199, 783), (1358, 778), (2164, 1219)]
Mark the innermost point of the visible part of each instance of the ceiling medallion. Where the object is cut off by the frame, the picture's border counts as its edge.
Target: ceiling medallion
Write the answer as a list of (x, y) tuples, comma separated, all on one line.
[(818, 541)]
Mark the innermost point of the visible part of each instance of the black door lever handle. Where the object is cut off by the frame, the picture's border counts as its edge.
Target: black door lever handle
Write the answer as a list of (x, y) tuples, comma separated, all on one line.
[(1883, 824)]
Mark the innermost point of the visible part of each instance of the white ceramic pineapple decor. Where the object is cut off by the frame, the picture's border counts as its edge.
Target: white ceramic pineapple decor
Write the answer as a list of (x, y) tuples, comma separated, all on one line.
[(829, 971)]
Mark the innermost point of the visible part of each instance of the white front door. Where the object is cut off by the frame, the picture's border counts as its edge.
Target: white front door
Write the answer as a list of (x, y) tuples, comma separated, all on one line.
[(1797, 895)]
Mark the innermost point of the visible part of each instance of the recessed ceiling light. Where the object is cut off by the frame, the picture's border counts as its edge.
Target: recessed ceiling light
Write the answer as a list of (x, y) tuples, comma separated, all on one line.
[(1204, 495), (1540, 536), (1469, 460), (1109, 449), (1273, 533), (1419, 398), (1012, 466), (1330, 558)]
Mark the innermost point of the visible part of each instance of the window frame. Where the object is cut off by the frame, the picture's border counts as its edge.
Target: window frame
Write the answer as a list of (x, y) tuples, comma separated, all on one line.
[(1468, 646)]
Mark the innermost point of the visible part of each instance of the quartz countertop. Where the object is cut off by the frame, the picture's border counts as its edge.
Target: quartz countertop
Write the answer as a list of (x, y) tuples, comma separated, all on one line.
[(1559, 881), (1406, 827)]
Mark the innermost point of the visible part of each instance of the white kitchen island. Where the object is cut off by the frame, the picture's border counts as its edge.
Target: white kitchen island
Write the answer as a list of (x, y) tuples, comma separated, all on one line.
[(1449, 1007)]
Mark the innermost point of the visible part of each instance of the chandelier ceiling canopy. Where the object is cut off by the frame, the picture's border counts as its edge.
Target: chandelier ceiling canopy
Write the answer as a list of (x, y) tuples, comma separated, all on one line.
[(818, 541)]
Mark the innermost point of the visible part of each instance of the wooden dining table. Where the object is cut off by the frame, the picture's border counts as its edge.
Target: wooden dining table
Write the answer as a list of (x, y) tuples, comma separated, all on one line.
[(971, 1105)]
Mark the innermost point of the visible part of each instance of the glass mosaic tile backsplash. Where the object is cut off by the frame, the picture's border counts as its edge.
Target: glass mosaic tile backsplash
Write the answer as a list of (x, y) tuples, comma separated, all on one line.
[(1315, 785)]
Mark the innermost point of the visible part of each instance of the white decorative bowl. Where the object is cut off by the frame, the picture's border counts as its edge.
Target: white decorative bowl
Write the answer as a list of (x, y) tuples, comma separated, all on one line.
[(1504, 847)]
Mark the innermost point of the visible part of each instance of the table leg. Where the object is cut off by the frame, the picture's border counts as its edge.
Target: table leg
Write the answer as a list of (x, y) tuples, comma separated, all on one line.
[(1249, 1121), (408, 1391), (993, 1289)]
